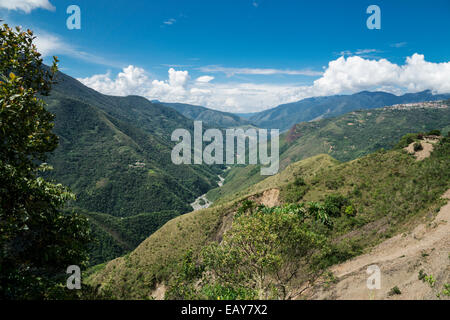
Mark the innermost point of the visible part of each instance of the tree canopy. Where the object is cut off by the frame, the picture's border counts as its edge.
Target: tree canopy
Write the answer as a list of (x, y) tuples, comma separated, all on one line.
[(37, 240)]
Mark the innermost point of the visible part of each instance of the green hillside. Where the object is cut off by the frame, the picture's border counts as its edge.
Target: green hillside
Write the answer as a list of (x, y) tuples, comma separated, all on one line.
[(212, 118), (283, 117), (114, 154), (345, 138), (364, 201)]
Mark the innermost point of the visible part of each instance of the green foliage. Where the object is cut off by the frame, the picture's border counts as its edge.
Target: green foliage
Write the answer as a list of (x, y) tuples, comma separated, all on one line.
[(350, 211), (434, 132), (394, 291), (245, 207), (265, 253), (295, 191), (407, 139), (116, 236), (445, 291), (427, 278), (181, 286), (342, 251), (38, 242), (335, 203)]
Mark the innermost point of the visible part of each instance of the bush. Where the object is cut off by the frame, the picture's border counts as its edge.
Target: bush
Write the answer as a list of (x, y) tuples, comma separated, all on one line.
[(395, 290), (267, 253), (418, 146), (334, 203), (299, 181), (434, 133), (350, 211)]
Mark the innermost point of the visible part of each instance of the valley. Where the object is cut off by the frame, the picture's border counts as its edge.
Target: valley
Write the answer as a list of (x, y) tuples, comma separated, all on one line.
[(221, 151)]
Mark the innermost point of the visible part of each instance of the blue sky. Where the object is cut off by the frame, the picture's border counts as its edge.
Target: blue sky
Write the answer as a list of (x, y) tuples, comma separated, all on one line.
[(242, 55)]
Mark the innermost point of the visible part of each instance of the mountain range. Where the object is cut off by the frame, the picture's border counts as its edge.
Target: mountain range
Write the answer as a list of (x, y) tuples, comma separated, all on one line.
[(284, 116), (212, 118)]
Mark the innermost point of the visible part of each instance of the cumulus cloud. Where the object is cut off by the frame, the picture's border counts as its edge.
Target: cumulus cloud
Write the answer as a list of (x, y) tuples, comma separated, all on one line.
[(26, 5), (343, 75), (355, 73), (131, 81)]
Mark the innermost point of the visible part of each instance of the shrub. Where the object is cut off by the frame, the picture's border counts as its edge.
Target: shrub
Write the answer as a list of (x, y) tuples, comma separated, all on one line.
[(265, 255), (418, 146), (350, 211), (334, 203), (299, 181), (395, 290), (434, 133)]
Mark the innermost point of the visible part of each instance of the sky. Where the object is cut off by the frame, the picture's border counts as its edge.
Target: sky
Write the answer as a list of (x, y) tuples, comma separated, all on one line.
[(243, 55)]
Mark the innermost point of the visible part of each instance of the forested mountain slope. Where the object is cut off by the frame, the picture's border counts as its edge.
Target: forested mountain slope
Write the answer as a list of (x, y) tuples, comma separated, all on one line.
[(212, 118), (114, 153), (285, 116)]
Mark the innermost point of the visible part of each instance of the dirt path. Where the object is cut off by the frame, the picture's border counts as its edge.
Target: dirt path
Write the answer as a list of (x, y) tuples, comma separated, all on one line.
[(400, 259)]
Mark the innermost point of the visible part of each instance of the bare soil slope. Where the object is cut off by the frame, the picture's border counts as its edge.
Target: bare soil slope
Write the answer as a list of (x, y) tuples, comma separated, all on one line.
[(400, 259)]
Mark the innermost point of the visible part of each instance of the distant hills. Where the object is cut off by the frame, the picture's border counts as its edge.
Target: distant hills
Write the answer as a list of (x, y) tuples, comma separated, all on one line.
[(346, 137), (285, 116), (212, 118)]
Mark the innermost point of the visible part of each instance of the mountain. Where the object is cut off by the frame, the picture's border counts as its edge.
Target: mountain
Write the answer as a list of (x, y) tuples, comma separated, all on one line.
[(385, 193), (285, 116), (246, 115), (115, 155), (212, 118), (345, 138)]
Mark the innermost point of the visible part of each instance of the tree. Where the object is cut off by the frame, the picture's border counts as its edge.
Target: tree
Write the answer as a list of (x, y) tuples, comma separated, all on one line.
[(273, 252), (37, 240)]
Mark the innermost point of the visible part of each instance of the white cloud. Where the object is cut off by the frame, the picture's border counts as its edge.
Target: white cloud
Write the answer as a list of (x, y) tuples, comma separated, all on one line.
[(204, 79), (355, 73), (365, 53), (50, 44), (343, 75), (170, 22), (26, 5), (131, 81), (258, 71)]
